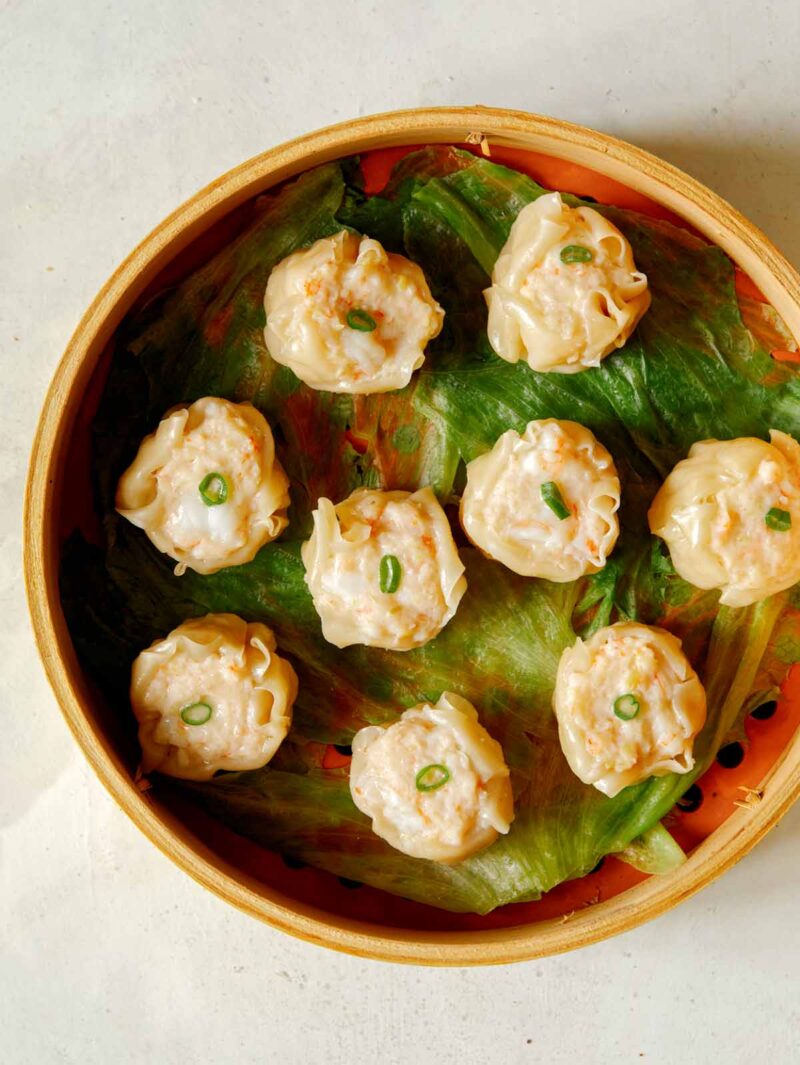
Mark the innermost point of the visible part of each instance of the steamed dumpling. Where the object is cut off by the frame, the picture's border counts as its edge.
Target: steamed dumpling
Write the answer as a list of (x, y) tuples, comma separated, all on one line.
[(544, 502), (346, 316), (383, 569), (730, 514), (206, 486), (435, 783), (629, 706), (214, 694), (565, 289)]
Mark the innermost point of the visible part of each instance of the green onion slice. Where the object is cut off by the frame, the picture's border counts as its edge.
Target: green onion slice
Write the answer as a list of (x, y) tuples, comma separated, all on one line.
[(576, 253), (778, 520), (390, 574), (432, 777), (196, 713), (626, 707), (213, 489), (552, 496), (360, 320)]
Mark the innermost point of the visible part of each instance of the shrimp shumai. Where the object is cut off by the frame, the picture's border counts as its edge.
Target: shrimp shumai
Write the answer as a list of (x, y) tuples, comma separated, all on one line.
[(383, 569), (544, 502), (347, 316), (206, 486), (565, 289), (730, 515), (213, 694), (435, 783), (628, 705)]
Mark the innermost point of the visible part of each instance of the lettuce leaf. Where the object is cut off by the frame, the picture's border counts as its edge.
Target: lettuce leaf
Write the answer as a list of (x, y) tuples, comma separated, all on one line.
[(693, 370), (654, 852)]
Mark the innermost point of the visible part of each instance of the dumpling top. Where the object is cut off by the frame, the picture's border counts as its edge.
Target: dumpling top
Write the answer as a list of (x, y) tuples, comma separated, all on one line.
[(628, 705), (212, 695), (206, 486), (435, 783), (544, 503), (383, 569), (730, 514), (346, 316), (565, 289)]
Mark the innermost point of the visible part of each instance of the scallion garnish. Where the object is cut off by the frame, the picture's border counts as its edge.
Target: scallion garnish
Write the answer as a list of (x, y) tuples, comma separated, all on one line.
[(360, 320), (626, 706), (576, 253), (213, 489), (196, 713), (552, 496), (778, 520), (390, 574), (432, 777)]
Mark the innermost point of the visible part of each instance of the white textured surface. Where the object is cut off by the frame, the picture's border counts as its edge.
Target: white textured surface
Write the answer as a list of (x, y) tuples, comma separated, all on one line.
[(111, 114)]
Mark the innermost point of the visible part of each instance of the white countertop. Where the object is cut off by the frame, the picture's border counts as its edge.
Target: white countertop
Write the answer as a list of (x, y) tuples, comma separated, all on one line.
[(111, 115)]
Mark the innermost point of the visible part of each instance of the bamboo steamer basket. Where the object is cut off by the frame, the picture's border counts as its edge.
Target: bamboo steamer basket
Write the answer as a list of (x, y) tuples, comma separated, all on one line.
[(606, 156)]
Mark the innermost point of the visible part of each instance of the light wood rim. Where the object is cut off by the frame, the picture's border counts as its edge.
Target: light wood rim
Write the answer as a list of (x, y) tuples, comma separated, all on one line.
[(639, 170)]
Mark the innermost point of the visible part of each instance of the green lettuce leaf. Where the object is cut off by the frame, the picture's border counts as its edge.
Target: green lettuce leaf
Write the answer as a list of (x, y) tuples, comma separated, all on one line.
[(654, 852), (693, 370)]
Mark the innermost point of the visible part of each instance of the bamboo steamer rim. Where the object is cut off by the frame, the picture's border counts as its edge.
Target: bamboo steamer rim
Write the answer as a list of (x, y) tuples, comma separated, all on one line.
[(637, 169)]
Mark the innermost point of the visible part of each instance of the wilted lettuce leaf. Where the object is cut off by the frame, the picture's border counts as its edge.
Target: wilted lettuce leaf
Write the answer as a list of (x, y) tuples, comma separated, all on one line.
[(692, 371)]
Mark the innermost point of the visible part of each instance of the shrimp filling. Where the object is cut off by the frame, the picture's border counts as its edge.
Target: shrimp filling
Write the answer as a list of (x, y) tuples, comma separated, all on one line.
[(435, 783), (346, 316), (628, 705), (565, 289), (730, 514), (213, 694), (383, 569), (206, 487), (544, 502)]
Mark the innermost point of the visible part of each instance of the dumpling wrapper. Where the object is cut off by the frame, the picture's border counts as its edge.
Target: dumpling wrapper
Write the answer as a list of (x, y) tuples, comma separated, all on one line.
[(712, 510), (309, 295), (627, 659), (160, 491), (504, 513), (343, 565), (447, 823), (556, 316), (232, 667)]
